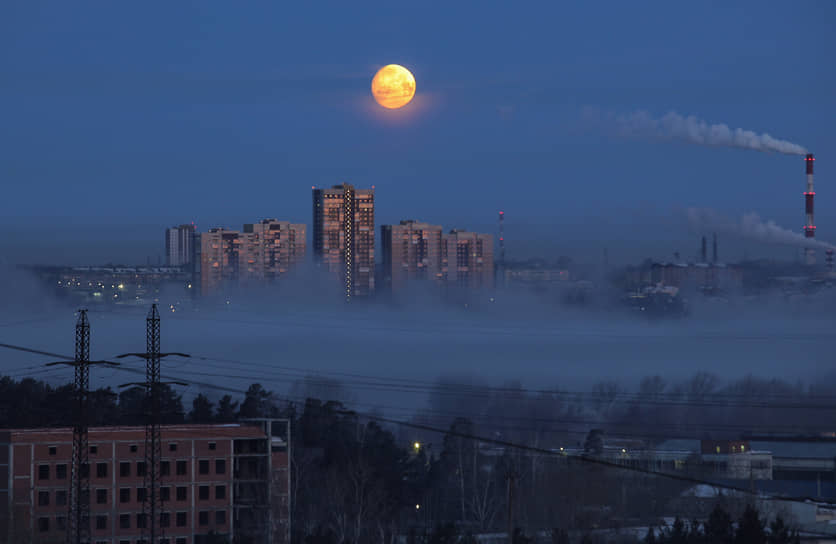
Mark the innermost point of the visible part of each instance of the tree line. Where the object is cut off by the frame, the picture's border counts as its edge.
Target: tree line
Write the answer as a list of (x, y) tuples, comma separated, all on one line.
[(355, 480)]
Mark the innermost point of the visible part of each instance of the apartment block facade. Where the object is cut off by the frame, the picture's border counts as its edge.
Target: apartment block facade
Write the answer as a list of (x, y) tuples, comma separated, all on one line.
[(180, 246), (271, 248), (261, 253), (343, 236), (467, 260), (411, 252), (226, 479)]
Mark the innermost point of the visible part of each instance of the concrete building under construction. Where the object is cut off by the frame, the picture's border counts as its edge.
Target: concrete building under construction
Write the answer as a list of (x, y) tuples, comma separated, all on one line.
[(230, 480)]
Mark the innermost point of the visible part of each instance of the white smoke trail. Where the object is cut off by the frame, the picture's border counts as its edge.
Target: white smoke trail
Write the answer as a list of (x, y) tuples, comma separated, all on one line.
[(673, 126), (753, 227)]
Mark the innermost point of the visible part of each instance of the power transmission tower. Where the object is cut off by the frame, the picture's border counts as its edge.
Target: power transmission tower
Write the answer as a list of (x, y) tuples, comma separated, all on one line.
[(152, 505), (78, 497)]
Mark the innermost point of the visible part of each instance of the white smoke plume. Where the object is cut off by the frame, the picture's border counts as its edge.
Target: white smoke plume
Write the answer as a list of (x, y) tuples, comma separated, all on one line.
[(753, 227), (673, 126)]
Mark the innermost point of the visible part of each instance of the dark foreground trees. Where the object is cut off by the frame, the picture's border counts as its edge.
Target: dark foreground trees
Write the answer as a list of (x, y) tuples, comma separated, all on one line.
[(720, 529), (353, 482)]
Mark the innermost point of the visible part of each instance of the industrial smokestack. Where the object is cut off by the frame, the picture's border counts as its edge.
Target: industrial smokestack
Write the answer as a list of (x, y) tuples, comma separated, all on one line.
[(714, 249), (703, 251), (809, 195)]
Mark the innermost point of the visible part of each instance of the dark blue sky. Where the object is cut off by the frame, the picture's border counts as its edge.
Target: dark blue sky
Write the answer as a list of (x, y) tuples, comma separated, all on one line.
[(124, 118)]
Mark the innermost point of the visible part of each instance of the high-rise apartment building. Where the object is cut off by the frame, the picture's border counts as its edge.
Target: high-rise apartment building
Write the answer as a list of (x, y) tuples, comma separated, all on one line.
[(270, 248), (411, 251), (263, 252), (219, 258), (467, 260), (180, 245), (226, 479), (343, 236)]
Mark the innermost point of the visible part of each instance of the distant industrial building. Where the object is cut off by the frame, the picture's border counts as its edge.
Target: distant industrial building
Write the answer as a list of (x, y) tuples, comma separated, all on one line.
[(103, 285), (227, 479), (706, 277), (343, 236), (467, 260), (537, 274), (411, 252), (180, 245), (263, 252)]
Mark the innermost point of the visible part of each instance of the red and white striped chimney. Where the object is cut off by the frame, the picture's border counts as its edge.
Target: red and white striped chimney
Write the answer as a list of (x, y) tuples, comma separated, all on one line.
[(809, 195)]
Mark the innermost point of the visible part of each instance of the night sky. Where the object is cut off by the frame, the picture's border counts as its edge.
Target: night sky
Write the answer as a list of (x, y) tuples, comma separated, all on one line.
[(119, 119)]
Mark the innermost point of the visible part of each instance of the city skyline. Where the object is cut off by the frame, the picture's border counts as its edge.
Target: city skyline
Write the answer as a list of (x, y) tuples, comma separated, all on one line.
[(566, 272), (266, 251), (490, 117)]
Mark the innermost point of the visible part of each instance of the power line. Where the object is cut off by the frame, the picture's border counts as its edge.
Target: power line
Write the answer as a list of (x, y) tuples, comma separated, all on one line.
[(525, 447), (582, 458), (417, 386), (484, 392)]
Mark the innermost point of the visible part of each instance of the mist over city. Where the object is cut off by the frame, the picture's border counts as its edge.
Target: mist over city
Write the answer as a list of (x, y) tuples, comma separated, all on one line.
[(460, 274)]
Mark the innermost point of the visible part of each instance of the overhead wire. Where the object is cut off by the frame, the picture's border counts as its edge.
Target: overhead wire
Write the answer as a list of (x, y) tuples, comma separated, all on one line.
[(680, 427), (495, 441)]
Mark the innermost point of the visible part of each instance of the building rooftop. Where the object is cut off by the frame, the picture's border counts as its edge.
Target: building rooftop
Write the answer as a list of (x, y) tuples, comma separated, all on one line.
[(168, 432)]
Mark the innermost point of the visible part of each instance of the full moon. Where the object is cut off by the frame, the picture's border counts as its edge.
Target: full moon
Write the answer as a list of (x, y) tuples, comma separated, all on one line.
[(393, 86)]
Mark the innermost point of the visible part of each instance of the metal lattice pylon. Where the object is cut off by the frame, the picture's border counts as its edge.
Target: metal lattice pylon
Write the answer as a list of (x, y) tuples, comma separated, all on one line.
[(78, 526), (152, 506), (78, 496)]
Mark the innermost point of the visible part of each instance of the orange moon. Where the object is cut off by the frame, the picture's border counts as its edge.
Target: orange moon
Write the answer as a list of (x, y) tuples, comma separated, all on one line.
[(393, 86)]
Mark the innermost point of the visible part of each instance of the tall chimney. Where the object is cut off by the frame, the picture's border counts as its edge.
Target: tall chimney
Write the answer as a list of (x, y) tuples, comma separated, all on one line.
[(703, 251), (809, 194), (714, 249)]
